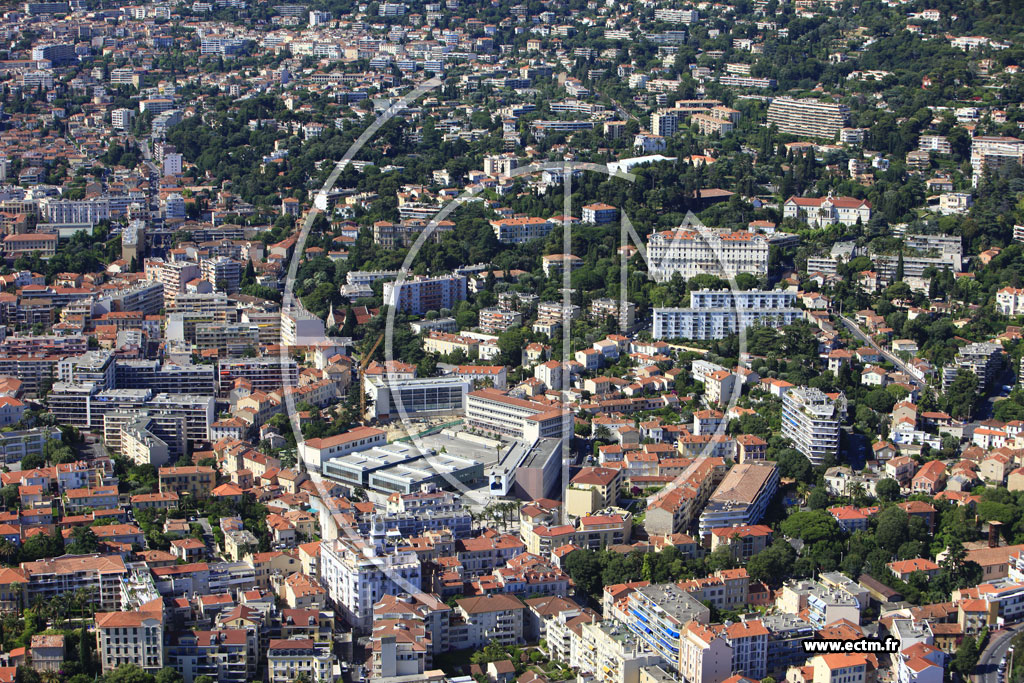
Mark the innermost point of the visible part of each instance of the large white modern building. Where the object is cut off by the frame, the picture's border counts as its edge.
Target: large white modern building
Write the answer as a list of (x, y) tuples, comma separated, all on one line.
[(811, 419), (421, 294), (496, 412), (990, 152), (720, 313), (357, 575), (808, 117), (715, 252), (417, 396)]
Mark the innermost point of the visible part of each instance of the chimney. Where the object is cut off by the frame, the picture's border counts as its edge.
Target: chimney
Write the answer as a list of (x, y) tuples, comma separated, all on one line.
[(993, 533)]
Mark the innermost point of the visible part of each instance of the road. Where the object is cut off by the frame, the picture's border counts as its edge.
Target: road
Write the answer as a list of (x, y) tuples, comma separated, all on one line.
[(621, 112), (988, 663), (148, 157), (857, 332)]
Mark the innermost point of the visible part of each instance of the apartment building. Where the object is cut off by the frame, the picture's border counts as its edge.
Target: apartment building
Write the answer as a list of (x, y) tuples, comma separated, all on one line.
[(704, 654), (664, 123), (990, 152), (840, 668), (676, 16), (675, 508), (743, 542), (26, 244), (623, 312), (713, 252), (659, 614), (718, 314), (593, 489), (808, 117), (709, 124), (554, 265), (193, 480), (173, 275), (487, 618), (608, 527), (420, 608), (288, 660), (101, 575), (984, 359), (742, 497), (357, 576), (421, 294), (747, 81), (599, 214), (822, 211), (264, 373), (520, 230), (226, 655), (811, 420), (137, 638), (496, 320), (606, 652)]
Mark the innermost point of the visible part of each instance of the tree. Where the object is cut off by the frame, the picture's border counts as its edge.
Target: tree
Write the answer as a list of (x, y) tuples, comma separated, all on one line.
[(811, 526), (818, 499), (26, 674), (887, 489), (84, 654), (168, 675), (773, 564), (794, 464), (83, 541), (32, 461), (966, 657), (892, 530), (11, 496)]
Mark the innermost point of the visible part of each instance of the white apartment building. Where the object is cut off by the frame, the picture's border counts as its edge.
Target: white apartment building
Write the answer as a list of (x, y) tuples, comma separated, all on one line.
[(300, 327), (676, 16), (356, 576), (992, 152), (130, 638), (808, 117), (289, 659), (664, 123), (519, 230), (704, 654), (720, 313), (173, 275), (811, 420), (607, 652), (421, 294), (488, 617), (690, 253)]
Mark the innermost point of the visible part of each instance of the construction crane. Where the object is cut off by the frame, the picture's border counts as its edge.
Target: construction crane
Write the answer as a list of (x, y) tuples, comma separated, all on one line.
[(362, 368)]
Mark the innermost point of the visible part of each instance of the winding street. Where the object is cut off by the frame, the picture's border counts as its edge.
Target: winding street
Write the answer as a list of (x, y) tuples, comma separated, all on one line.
[(987, 669)]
